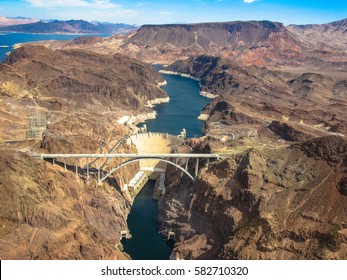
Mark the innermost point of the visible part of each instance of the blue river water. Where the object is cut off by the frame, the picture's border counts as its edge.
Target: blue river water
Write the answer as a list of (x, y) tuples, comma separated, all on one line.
[(8, 40), (181, 112), (146, 242)]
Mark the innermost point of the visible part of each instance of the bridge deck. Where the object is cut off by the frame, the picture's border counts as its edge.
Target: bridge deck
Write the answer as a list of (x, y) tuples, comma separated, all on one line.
[(54, 156)]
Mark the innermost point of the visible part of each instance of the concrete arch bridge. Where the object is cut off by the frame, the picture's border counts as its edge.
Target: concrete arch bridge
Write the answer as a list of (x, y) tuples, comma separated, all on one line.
[(155, 152), (171, 159)]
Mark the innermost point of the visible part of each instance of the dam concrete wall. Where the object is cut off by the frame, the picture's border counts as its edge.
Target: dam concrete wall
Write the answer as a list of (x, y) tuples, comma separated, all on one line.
[(152, 143)]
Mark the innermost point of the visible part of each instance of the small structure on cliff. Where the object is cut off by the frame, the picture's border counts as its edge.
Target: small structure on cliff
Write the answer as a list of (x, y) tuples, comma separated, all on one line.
[(37, 124)]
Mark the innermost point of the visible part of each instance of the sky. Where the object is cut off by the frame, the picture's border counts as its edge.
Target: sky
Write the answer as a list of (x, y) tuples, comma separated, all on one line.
[(141, 12)]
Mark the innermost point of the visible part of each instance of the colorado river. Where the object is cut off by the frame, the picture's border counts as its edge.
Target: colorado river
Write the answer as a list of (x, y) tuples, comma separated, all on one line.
[(181, 112)]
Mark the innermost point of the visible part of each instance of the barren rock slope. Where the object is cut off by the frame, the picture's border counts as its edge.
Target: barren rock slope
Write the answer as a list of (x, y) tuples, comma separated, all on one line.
[(288, 203), (48, 213)]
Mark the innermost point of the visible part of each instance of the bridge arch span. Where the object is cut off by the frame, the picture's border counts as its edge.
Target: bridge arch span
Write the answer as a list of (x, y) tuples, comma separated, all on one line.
[(145, 158)]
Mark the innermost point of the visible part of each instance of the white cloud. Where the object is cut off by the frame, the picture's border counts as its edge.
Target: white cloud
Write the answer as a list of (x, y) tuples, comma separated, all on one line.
[(95, 4), (249, 1)]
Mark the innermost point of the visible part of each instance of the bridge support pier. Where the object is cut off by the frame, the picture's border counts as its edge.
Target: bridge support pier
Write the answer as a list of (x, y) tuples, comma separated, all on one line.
[(64, 164), (99, 177), (186, 167), (76, 167), (196, 168), (208, 162), (88, 170)]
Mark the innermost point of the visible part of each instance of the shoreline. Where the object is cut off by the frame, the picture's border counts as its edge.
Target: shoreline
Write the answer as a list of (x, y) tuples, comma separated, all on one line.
[(202, 93), (180, 74), (208, 95), (134, 120)]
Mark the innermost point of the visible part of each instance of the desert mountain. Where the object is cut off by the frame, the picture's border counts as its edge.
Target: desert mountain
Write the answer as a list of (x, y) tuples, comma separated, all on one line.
[(333, 34), (71, 26), (281, 194), (262, 43), (248, 42), (5, 21)]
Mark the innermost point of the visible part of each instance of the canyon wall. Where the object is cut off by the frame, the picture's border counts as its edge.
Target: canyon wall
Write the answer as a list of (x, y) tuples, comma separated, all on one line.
[(288, 203)]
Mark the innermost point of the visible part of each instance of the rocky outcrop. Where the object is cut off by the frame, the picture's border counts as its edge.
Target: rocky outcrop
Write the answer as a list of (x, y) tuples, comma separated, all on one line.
[(49, 213), (288, 133), (226, 114), (287, 203)]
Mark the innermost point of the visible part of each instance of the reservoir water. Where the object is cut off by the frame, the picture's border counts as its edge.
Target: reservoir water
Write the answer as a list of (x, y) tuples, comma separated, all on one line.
[(8, 40), (183, 109), (181, 112)]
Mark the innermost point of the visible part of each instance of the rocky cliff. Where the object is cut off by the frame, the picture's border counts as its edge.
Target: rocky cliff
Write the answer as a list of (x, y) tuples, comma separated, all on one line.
[(287, 203), (48, 213)]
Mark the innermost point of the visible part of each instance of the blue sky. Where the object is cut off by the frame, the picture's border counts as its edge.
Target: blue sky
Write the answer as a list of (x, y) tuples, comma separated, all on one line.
[(179, 11)]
